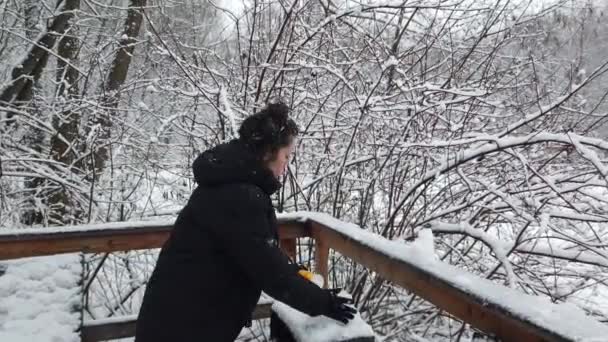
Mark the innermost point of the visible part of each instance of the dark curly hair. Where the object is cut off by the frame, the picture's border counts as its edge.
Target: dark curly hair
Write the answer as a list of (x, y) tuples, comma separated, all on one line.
[(266, 131)]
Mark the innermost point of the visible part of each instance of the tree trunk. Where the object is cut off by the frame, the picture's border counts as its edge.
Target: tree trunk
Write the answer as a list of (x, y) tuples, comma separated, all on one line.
[(67, 122), (31, 12), (116, 78), (26, 100), (25, 74)]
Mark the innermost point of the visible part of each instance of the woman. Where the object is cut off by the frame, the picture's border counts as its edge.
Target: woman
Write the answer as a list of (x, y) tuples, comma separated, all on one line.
[(223, 250)]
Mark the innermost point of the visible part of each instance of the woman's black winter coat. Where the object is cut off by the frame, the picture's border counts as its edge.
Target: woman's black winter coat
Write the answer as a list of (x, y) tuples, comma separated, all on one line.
[(221, 254)]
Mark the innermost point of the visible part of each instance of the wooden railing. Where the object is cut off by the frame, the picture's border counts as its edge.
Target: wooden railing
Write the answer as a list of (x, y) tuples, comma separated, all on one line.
[(121, 327), (507, 321), (105, 238)]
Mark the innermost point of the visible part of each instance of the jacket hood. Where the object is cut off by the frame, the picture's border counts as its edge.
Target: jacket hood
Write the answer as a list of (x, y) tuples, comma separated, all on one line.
[(233, 162)]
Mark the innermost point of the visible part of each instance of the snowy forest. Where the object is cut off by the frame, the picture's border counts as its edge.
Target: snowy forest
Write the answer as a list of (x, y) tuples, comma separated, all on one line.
[(484, 122)]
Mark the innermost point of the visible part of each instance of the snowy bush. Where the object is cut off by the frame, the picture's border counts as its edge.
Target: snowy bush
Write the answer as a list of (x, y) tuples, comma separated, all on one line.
[(483, 121)]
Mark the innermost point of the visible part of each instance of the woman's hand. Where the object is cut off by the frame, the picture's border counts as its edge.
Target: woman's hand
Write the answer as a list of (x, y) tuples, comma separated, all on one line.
[(338, 307)]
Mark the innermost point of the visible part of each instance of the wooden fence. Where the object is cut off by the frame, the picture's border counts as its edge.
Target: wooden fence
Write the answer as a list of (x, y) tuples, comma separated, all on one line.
[(471, 307)]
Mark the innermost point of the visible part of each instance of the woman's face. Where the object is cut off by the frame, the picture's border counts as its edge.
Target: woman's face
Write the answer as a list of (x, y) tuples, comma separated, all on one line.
[(278, 163)]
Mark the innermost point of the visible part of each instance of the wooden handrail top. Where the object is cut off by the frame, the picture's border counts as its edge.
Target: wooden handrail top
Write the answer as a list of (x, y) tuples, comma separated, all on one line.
[(110, 229), (102, 237)]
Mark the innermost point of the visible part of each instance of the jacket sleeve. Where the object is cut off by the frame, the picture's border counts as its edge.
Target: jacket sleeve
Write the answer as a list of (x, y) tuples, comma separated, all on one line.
[(243, 230)]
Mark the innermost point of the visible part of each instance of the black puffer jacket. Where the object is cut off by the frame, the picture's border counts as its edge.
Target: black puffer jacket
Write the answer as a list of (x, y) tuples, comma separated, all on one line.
[(221, 254)]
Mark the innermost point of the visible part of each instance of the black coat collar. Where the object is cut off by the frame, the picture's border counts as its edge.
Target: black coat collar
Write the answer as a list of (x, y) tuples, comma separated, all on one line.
[(233, 162)]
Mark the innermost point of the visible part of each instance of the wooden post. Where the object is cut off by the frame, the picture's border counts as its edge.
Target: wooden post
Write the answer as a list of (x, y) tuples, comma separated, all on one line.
[(290, 247), (289, 232), (322, 260)]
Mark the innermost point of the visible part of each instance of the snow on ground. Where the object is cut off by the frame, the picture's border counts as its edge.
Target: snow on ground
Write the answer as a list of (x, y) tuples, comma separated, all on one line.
[(39, 299), (565, 319), (305, 328)]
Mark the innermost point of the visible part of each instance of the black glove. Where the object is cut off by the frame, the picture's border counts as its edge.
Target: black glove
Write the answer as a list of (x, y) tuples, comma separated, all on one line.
[(338, 308)]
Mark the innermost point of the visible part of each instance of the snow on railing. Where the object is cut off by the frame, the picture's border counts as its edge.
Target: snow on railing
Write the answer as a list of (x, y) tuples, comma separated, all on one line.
[(17, 233), (538, 315)]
